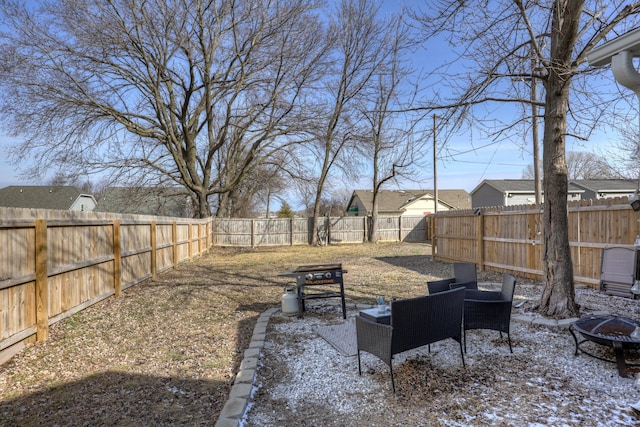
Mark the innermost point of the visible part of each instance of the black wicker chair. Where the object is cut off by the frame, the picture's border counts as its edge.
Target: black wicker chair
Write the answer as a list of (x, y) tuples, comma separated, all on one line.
[(490, 309), (465, 276), (415, 322)]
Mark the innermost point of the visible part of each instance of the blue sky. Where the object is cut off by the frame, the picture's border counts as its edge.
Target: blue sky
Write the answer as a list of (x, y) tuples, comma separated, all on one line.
[(8, 171), (473, 160)]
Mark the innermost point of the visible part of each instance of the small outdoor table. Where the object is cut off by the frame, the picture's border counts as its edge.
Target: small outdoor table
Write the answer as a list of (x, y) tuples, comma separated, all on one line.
[(375, 315)]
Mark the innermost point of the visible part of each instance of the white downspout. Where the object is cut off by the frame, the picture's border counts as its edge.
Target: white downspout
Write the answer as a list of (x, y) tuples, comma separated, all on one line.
[(627, 75), (624, 71)]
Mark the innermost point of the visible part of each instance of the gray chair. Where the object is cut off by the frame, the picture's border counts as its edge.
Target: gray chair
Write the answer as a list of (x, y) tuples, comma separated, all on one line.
[(465, 276), (490, 309), (617, 268), (415, 322)]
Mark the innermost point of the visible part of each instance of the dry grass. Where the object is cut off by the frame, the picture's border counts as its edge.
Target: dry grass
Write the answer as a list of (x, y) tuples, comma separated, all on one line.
[(166, 352)]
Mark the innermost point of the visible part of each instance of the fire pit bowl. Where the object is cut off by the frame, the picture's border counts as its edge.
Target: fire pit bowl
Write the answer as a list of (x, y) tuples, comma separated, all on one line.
[(610, 331)]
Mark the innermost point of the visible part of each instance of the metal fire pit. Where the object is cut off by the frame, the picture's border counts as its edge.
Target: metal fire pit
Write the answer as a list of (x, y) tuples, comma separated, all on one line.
[(610, 331), (320, 276)]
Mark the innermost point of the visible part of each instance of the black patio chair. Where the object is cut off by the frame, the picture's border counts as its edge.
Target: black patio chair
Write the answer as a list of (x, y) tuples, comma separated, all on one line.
[(465, 276), (415, 322), (490, 309)]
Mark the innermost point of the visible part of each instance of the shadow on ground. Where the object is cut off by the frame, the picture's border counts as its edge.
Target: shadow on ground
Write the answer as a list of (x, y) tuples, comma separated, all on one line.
[(419, 263), (114, 398)]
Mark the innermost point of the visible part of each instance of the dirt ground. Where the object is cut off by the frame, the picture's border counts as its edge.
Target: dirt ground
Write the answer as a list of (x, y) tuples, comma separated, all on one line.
[(166, 352)]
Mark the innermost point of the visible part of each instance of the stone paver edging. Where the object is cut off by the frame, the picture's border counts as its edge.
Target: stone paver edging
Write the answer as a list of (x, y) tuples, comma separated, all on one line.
[(236, 405)]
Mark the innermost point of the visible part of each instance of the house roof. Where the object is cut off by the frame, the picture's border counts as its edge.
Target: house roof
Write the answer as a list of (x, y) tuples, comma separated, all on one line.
[(518, 186), (40, 197), (607, 185), (398, 200), (170, 201)]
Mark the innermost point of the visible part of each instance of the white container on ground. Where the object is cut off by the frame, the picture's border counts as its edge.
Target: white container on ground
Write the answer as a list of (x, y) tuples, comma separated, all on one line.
[(290, 301)]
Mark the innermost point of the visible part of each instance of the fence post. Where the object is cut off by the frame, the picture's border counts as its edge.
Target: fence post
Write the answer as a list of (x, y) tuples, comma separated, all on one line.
[(154, 249), (174, 230), (253, 233), (400, 228), (211, 242), (365, 223), (291, 230), (434, 240), (190, 241), (42, 288), (205, 235), (480, 242), (117, 259)]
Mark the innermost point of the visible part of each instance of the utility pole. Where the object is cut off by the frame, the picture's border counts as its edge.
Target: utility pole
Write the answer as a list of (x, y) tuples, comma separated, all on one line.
[(534, 131), (435, 166), (435, 190)]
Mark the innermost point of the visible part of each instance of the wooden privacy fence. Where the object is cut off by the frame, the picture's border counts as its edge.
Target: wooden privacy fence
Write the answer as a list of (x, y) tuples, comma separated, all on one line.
[(511, 238), (56, 263), (331, 230)]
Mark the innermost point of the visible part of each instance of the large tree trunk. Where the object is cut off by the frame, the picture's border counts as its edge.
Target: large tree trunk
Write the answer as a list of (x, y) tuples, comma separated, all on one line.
[(316, 239), (558, 297), (373, 225), (204, 209)]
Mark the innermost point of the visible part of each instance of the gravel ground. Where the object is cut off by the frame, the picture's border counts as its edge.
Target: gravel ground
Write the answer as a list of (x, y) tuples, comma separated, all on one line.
[(304, 381)]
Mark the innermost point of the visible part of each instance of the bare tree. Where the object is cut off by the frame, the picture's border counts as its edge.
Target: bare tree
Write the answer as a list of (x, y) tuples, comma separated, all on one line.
[(623, 155), (388, 143), (60, 178), (355, 33), (587, 165), (546, 42), (255, 191), (583, 165), (194, 92)]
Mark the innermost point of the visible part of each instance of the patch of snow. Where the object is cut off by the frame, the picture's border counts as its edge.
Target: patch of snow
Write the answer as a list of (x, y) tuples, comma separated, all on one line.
[(302, 377)]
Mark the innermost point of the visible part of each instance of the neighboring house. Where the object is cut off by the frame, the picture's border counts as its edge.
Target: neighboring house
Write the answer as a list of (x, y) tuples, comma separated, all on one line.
[(171, 201), (511, 192), (606, 188), (407, 202), (46, 197)]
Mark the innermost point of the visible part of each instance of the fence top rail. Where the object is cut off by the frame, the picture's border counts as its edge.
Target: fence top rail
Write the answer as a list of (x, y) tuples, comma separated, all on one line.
[(617, 203), (30, 223)]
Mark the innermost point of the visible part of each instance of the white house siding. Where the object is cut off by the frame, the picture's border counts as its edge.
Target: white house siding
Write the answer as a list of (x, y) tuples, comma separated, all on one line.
[(424, 207), (419, 208), (83, 203), (519, 199)]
